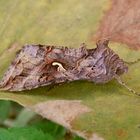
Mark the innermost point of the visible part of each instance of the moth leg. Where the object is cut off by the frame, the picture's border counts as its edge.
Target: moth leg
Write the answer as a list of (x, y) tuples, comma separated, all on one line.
[(123, 84), (130, 63)]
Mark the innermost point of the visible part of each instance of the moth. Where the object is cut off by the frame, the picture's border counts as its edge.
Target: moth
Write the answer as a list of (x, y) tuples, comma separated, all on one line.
[(41, 65)]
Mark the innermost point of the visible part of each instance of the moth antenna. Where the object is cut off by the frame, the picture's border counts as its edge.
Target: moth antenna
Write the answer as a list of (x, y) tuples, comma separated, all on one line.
[(134, 62), (127, 87)]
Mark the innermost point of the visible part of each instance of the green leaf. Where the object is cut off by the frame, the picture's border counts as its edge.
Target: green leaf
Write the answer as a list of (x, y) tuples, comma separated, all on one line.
[(106, 111), (44, 130), (24, 133), (77, 138), (4, 110), (53, 129)]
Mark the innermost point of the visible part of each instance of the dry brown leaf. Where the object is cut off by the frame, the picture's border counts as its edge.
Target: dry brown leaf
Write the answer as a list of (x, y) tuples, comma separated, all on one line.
[(122, 23), (61, 111)]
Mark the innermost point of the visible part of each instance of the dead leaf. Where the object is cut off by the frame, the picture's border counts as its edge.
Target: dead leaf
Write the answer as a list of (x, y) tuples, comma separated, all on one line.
[(61, 111), (122, 23)]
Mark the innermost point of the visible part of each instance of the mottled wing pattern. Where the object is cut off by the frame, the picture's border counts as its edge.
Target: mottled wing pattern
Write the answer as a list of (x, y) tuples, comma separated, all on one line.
[(26, 70), (100, 65), (38, 65)]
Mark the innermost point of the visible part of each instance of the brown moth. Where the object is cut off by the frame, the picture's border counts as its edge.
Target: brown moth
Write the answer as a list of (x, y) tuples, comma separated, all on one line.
[(40, 65)]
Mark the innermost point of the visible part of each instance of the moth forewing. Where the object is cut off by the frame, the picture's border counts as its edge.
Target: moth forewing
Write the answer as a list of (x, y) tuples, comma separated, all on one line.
[(40, 65)]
